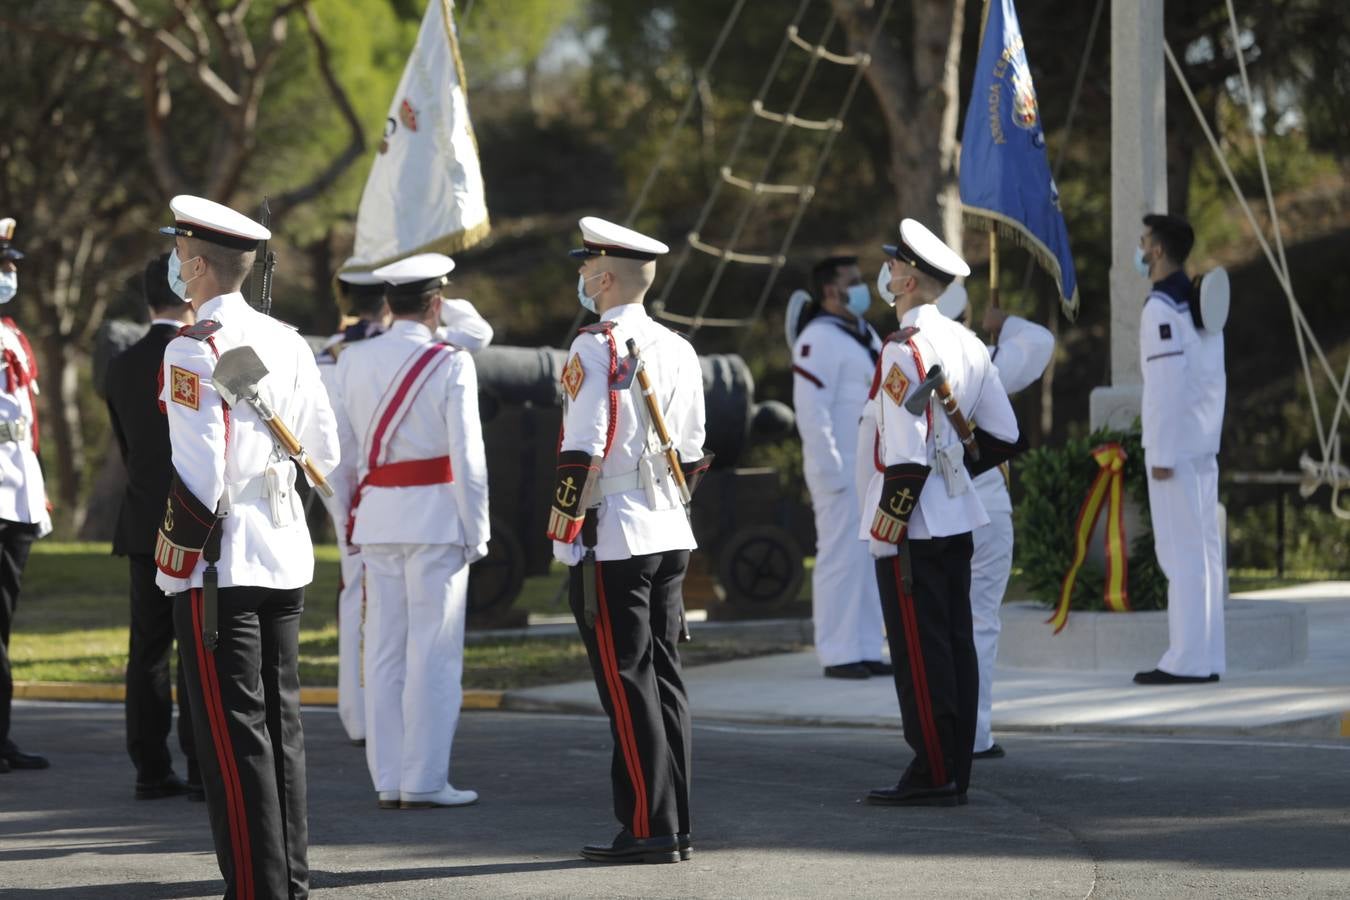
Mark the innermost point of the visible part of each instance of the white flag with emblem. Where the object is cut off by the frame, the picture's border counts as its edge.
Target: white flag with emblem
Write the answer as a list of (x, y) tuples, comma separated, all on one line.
[(425, 191)]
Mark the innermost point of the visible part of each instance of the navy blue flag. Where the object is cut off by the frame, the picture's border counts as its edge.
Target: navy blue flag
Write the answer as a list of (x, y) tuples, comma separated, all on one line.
[(1005, 175)]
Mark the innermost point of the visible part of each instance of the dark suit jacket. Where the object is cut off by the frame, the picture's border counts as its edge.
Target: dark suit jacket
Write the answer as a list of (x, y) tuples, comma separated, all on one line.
[(142, 432)]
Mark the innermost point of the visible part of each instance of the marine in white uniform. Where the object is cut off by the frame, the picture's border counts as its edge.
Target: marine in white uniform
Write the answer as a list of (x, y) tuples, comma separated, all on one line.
[(362, 297), (233, 497), (1184, 391), (23, 494), (1020, 353), (920, 509), (619, 523), (415, 492), (833, 357)]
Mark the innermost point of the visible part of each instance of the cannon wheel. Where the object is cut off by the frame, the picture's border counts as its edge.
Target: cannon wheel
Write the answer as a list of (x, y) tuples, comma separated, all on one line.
[(495, 581), (760, 565)]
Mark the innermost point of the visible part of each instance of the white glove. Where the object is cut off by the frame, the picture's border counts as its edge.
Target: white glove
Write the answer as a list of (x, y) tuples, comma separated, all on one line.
[(567, 554), (881, 549)]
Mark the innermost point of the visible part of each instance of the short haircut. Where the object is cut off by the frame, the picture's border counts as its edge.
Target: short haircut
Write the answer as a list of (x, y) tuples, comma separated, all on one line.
[(1173, 233), (412, 304), (365, 301), (826, 271), (155, 285), (232, 267)]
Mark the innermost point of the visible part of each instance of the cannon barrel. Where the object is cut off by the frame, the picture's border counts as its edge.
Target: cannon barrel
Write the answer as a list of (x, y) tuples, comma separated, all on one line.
[(531, 376)]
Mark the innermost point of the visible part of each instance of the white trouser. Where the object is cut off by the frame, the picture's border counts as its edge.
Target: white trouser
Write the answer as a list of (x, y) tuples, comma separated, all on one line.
[(990, 567), (845, 606), (1186, 539), (351, 619), (414, 657)]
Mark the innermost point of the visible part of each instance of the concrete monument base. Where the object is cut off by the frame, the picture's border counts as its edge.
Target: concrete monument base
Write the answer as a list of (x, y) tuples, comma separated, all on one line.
[(1260, 634)]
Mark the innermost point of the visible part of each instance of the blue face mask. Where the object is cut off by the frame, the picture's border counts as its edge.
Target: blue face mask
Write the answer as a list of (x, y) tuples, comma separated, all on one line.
[(176, 282), (587, 302), (1140, 264), (9, 286), (859, 298)]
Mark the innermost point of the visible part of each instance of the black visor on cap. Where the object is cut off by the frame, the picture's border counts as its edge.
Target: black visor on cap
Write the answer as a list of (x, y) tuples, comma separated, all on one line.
[(201, 233), (591, 249), (904, 253)]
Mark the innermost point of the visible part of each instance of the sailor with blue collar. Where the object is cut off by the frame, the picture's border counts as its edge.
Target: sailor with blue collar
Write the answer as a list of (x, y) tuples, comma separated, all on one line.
[(1181, 357), (834, 353)]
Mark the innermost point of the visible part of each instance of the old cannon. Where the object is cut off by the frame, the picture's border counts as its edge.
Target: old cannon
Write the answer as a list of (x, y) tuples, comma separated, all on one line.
[(751, 537)]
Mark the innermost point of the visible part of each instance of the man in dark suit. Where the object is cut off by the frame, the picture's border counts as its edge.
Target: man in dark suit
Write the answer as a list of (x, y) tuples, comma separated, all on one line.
[(142, 433)]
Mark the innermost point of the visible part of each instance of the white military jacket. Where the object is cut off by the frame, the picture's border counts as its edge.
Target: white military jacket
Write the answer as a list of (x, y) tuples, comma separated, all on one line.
[(23, 494), (832, 371), (439, 417), (1184, 379), (629, 523), (1020, 357), (214, 447), (898, 436)]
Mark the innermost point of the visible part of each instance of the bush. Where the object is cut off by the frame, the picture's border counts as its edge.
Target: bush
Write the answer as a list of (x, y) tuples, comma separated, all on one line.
[(1053, 482)]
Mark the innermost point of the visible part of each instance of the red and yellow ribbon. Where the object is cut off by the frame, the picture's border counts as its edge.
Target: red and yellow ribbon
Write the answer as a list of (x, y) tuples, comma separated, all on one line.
[(1108, 486)]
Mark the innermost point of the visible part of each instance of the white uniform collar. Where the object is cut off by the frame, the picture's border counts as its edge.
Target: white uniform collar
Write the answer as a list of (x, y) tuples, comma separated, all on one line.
[(409, 327), (625, 311), (209, 309), (174, 322), (919, 314)]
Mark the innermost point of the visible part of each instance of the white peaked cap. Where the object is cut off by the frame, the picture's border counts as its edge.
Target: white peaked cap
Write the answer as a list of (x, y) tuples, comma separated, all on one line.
[(927, 252), (207, 220), (603, 238), (416, 273), (952, 302)]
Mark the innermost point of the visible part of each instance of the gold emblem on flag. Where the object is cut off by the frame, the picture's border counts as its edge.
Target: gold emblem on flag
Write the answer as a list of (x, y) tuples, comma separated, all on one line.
[(896, 384), (573, 375)]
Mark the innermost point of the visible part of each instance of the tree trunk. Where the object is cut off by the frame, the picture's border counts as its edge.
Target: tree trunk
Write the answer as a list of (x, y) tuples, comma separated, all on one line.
[(916, 83), (61, 423)]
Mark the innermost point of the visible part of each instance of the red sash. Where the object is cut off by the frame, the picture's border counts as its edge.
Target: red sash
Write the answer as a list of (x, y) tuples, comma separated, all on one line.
[(409, 472)]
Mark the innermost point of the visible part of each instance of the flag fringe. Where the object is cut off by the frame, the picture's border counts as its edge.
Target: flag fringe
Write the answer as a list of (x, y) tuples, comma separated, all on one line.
[(1012, 230)]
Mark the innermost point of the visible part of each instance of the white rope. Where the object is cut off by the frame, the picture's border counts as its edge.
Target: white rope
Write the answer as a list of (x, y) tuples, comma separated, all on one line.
[(1327, 438)]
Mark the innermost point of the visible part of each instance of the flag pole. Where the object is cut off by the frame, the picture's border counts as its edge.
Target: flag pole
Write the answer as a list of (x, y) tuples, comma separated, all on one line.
[(993, 266)]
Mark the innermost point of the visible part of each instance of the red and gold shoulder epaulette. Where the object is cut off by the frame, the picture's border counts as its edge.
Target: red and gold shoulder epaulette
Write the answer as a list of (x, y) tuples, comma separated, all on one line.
[(904, 334), (200, 331), (598, 328)]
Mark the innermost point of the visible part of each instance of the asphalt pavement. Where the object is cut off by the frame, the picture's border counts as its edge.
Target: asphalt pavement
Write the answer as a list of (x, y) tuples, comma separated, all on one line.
[(777, 814)]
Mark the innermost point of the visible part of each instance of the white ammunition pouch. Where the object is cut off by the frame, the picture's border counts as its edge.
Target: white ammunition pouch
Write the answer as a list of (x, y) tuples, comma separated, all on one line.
[(652, 475), (14, 430), (276, 485), (951, 463)]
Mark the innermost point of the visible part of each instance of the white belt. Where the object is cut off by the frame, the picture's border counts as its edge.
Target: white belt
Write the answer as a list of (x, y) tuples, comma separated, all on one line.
[(253, 489), (620, 484), (14, 430)]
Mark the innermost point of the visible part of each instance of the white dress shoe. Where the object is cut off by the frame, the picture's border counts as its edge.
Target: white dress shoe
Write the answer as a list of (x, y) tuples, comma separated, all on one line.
[(446, 796), (389, 799)]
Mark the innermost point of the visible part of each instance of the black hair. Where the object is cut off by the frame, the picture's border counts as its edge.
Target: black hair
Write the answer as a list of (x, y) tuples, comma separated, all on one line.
[(155, 285), (1174, 233), (412, 304), (362, 300), (825, 272)]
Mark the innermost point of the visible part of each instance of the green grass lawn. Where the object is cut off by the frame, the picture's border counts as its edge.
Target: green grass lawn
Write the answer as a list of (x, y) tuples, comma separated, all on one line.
[(71, 625)]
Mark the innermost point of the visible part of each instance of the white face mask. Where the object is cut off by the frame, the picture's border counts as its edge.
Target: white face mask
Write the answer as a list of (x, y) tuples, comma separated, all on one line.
[(859, 298), (1140, 264), (9, 286), (884, 284), (176, 282), (587, 301)]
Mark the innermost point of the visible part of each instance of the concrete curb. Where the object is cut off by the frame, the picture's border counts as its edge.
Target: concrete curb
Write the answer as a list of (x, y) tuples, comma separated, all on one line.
[(1330, 726), (117, 693)]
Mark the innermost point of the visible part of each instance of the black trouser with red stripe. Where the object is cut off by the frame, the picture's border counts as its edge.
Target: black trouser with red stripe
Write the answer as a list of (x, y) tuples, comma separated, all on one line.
[(16, 540), (245, 699), (937, 674), (637, 669)]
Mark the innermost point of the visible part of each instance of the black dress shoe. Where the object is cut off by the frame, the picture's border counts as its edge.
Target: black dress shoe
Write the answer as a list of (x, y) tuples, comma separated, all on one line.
[(994, 752), (625, 848), (1158, 676), (17, 759), (168, 786), (910, 795), (854, 671), (686, 845), (877, 667)]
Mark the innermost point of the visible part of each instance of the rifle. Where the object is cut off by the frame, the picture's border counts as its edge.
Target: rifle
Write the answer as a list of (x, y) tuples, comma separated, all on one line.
[(668, 448), (260, 283)]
